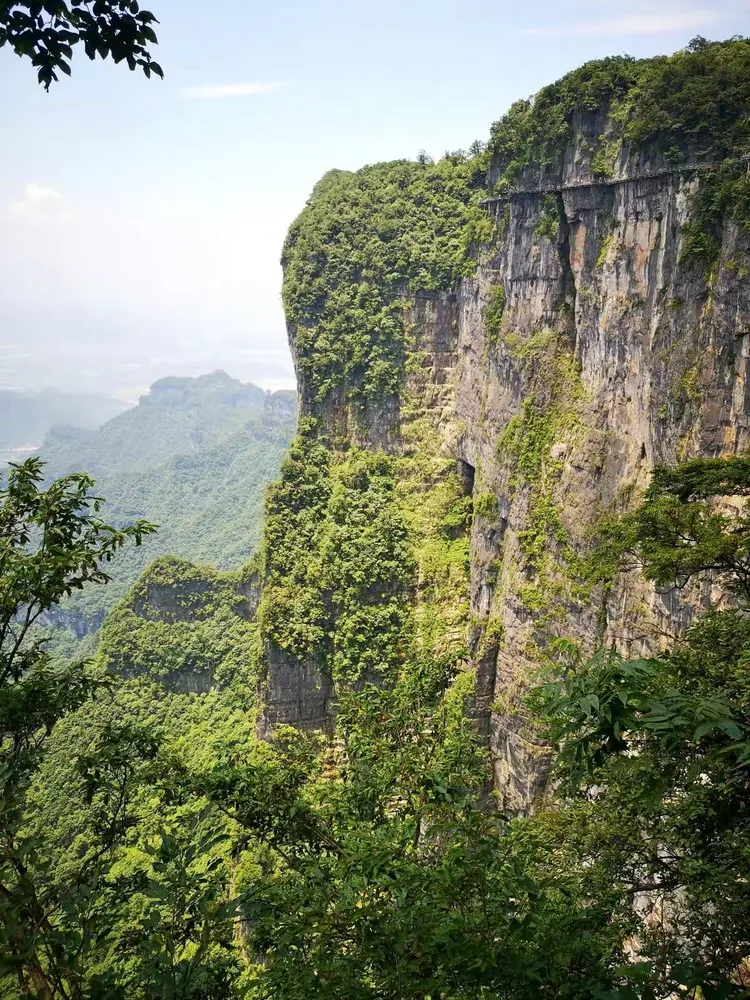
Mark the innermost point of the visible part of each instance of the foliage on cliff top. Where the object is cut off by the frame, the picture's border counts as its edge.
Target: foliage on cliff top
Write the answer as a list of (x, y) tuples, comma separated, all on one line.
[(695, 101), (366, 238), (186, 624), (362, 241)]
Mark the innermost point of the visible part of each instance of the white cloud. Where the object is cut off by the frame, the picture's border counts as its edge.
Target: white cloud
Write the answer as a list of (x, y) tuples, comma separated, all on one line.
[(636, 24), (223, 91), (40, 204)]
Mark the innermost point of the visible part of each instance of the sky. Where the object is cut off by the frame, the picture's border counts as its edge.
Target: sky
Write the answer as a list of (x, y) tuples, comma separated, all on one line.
[(141, 222)]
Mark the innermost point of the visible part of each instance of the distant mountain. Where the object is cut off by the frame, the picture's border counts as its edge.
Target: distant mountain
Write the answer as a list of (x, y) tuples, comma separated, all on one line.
[(26, 417), (195, 456)]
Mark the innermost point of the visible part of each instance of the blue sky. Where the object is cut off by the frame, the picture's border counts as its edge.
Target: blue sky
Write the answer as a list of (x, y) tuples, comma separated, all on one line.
[(141, 222)]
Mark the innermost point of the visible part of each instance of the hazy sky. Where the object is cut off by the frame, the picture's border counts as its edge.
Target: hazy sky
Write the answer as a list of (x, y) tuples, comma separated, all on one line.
[(141, 222)]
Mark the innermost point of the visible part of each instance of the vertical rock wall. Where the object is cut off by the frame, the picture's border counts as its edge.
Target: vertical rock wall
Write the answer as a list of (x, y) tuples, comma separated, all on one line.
[(659, 360), (584, 351)]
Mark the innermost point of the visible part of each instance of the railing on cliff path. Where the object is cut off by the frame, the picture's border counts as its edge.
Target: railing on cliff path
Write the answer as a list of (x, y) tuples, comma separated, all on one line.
[(604, 182)]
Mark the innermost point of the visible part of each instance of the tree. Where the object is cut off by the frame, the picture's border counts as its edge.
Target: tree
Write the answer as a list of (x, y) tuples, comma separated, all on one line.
[(654, 754), (46, 33), (695, 519), (52, 542), (377, 872)]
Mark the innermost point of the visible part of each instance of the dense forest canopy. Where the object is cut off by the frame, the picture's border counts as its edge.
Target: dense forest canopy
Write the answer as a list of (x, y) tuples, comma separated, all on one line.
[(690, 104), (143, 834)]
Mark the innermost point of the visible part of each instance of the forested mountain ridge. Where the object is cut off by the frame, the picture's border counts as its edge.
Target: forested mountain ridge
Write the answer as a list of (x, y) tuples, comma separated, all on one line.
[(194, 457), (189, 414)]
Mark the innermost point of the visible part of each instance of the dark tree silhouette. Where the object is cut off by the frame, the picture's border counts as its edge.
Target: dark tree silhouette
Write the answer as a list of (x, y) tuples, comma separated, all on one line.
[(46, 33)]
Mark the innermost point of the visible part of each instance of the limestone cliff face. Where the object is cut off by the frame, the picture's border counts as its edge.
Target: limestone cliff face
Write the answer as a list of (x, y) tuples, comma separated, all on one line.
[(660, 354), (586, 349)]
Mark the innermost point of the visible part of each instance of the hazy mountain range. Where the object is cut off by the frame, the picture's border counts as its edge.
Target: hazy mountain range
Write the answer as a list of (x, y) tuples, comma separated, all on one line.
[(194, 456), (25, 417)]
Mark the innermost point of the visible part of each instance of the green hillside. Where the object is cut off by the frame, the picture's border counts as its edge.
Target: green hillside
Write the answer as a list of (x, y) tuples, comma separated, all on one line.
[(194, 457)]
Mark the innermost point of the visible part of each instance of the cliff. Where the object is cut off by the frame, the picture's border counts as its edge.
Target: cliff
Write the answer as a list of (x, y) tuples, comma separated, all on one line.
[(189, 629), (493, 352)]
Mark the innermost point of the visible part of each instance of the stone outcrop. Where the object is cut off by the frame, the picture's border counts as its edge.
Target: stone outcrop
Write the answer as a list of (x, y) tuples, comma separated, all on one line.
[(661, 351), (188, 628), (618, 354)]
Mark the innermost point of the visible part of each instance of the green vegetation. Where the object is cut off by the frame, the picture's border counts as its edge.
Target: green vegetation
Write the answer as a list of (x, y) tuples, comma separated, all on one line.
[(549, 417), (154, 849), (696, 99), (680, 532), (493, 313), (666, 741), (195, 457), (52, 542), (397, 883), (366, 239), (46, 33), (548, 226), (485, 505), (365, 558), (694, 102), (693, 105), (133, 872), (721, 193), (182, 623), (605, 158), (685, 387), (362, 242), (537, 131), (604, 251), (337, 563)]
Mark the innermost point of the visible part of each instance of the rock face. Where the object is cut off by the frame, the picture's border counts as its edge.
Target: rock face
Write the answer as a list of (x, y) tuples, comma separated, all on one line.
[(659, 354), (587, 348), (296, 693)]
